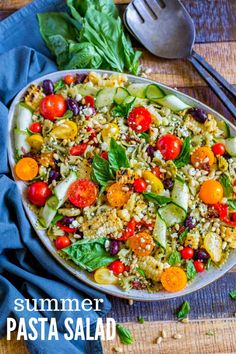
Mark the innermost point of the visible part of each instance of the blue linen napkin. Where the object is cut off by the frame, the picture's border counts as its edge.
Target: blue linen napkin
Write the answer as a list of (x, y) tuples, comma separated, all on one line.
[(27, 270)]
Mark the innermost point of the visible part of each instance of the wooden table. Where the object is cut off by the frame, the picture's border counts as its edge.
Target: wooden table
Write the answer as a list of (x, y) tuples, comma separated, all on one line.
[(212, 326)]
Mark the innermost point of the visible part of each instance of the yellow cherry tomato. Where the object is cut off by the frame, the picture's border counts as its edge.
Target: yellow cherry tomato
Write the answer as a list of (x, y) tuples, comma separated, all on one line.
[(111, 130), (35, 141), (213, 245), (155, 182), (202, 157), (26, 169), (66, 130), (211, 192), (105, 276)]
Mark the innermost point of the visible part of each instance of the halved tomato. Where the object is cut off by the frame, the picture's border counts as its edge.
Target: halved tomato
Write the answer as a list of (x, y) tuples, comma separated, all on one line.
[(139, 119), (82, 193)]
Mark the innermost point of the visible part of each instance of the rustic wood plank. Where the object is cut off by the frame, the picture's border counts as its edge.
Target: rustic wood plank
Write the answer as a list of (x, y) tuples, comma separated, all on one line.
[(194, 338), (13, 346)]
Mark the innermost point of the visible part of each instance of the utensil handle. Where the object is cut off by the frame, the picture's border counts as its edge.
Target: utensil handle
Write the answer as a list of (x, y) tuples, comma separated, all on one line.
[(215, 74), (213, 85)]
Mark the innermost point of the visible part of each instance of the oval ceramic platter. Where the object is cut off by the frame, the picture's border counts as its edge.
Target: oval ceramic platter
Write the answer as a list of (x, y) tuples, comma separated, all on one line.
[(200, 281)]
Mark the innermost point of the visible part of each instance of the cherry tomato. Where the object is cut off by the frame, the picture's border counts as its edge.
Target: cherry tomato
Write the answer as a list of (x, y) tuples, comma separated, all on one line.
[(170, 146), (140, 185), (53, 106), (117, 267), (156, 171), (233, 216), (218, 149), (35, 127), (104, 155), (62, 242), (69, 79), (202, 158), (211, 192), (142, 244), (78, 150), (88, 101), (26, 169), (129, 231), (199, 266), (38, 193), (187, 253), (69, 230), (139, 119), (82, 193)]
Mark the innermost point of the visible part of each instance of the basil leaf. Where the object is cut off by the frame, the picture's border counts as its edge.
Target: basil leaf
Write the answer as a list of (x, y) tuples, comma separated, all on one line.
[(183, 311), (183, 236), (208, 264), (124, 334), (174, 258), (67, 115), (101, 171), (156, 199), (184, 156), (59, 85), (83, 55), (227, 185), (144, 136), (140, 319), (29, 132), (141, 272), (56, 218), (232, 204), (123, 110), (89, 254), (117, 156), (233, 294), (191, 271)]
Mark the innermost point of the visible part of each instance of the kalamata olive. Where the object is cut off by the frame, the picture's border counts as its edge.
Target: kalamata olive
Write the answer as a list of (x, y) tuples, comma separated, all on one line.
[(54, 175), (48, 88), (73, 106), (168, 183), (67, 220), (201, 254), (190, 223), (80, 78), (150, 151), (114, 247), (198, 114)]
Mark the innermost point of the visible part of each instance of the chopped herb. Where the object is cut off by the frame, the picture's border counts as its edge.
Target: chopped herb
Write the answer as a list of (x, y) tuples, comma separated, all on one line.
[(183, 311), (174, 258), (210, 333), (191, 271), (184, 156), (140, 319), (233, 294), (17, 155), (123, 110), (144, 136), (183, 236), (59, 85), (101, 171), (156, 199), (140, 271), (57, 218), (232, 204), (29, 132), (124, 334), (226, 184)]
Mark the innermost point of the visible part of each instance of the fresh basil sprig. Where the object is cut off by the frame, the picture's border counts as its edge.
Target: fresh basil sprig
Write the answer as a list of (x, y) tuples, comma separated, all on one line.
[(123, 110), (117, 156), (191, 271), (184, 156), (233, 294), (174, 258), (101, 171), (183, 311), (156, 199), (182, 236), (124, 334), (226, 184)]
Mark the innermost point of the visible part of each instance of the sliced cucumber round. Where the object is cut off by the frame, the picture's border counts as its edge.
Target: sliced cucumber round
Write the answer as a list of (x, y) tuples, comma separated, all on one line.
[(230, 146), (120, 95), (86, 90), (154, 92), (180, 194), (172, 214), (159, 232), (23, 116), (138, 90), (173, 102), (105, 97), (222, 125)]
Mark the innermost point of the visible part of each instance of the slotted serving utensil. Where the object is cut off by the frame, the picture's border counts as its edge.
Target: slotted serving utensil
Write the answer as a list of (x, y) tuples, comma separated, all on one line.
[(166, 29)]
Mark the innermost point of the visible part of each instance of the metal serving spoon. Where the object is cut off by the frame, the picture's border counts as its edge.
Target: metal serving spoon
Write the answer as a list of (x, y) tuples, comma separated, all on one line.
[(166, 29)]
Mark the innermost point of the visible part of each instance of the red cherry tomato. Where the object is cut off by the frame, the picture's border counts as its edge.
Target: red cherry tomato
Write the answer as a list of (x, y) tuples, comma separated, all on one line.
[(69, 230), (218, 149), (62, 242), (35, 127), (139, 119), (140, 185), (187, 253), (233, 216), (38, 193), (53, 106), (104, 155), (129, 231), (69, 79), (78, 150), (170, 146), (156, 171), (117, 267), (199, 266), (88, 101), (82, 193)]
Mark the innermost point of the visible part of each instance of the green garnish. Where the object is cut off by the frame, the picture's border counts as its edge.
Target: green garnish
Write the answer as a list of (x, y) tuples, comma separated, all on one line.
[(233, 294), (183, 311), (156, 199), (184, 156), (175, 258), (226, 184), (191, 271), (140, 319), (124, 334)]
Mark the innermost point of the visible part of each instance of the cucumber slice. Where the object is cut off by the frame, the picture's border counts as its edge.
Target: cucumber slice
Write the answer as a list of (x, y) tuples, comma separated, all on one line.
[(173, 102), (86, 90), (230, 146), (48, 212), (172, 214), (222, 125), (120, 95), (21, 144), (180, 194), (61, 189), (138, 90), (105, 97), (153, 92), (159, 232), (23, 117), (129, 99)]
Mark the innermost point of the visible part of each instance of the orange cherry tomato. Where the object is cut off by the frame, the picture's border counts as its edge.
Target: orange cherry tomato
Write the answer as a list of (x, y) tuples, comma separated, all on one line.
[(211, 192), (142, 244), (83, 193), (202, 157), (174, 279), (117, 195), (170, 146), (69, 79), (26, 169), (53, 106)]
